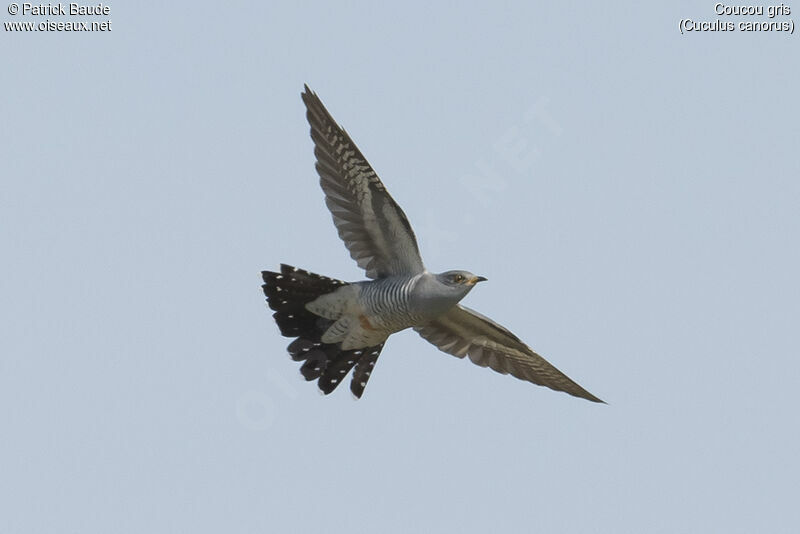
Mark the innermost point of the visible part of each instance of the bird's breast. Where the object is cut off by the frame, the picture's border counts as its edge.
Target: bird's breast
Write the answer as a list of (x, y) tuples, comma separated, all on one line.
[(386, 304)]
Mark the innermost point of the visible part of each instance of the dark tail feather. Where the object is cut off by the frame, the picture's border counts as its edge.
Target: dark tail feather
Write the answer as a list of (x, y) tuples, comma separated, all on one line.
[(364, 369), (287, 293)]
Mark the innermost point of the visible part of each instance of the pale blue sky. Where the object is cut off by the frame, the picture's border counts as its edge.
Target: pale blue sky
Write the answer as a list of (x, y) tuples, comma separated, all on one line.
[(630, 192)]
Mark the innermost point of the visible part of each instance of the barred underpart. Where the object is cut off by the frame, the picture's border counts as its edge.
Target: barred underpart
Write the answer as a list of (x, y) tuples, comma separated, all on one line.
[(387, 302)]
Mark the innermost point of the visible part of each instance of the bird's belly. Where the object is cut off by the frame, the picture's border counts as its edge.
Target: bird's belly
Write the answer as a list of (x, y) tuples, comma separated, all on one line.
[(385, 307), (387, 323)]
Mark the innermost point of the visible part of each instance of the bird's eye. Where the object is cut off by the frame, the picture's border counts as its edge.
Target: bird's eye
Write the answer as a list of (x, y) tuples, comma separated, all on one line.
[(458, 278)]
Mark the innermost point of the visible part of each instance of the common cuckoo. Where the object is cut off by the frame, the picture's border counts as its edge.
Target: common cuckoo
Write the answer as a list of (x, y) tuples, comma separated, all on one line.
[(339, 325)]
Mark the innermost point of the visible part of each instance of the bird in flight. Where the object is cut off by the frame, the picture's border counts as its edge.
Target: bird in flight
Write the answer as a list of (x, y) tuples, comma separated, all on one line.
[(341, 326)]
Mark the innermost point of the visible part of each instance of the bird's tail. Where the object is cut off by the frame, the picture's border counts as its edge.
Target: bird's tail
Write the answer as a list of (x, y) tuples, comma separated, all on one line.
[(287, 293)]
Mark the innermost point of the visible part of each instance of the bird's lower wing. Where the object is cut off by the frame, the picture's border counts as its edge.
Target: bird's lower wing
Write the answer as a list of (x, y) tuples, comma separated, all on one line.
[(464, 332)]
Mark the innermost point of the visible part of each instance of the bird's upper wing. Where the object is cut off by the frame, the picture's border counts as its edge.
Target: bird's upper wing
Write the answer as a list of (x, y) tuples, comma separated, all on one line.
[(462, 332), (372, 226)]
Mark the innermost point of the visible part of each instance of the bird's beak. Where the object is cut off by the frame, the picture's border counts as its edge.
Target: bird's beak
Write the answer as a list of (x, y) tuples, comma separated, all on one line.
[(476, 280)]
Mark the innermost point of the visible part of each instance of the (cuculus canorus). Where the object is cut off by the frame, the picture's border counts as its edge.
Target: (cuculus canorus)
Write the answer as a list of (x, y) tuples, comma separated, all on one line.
[(339, 325)]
